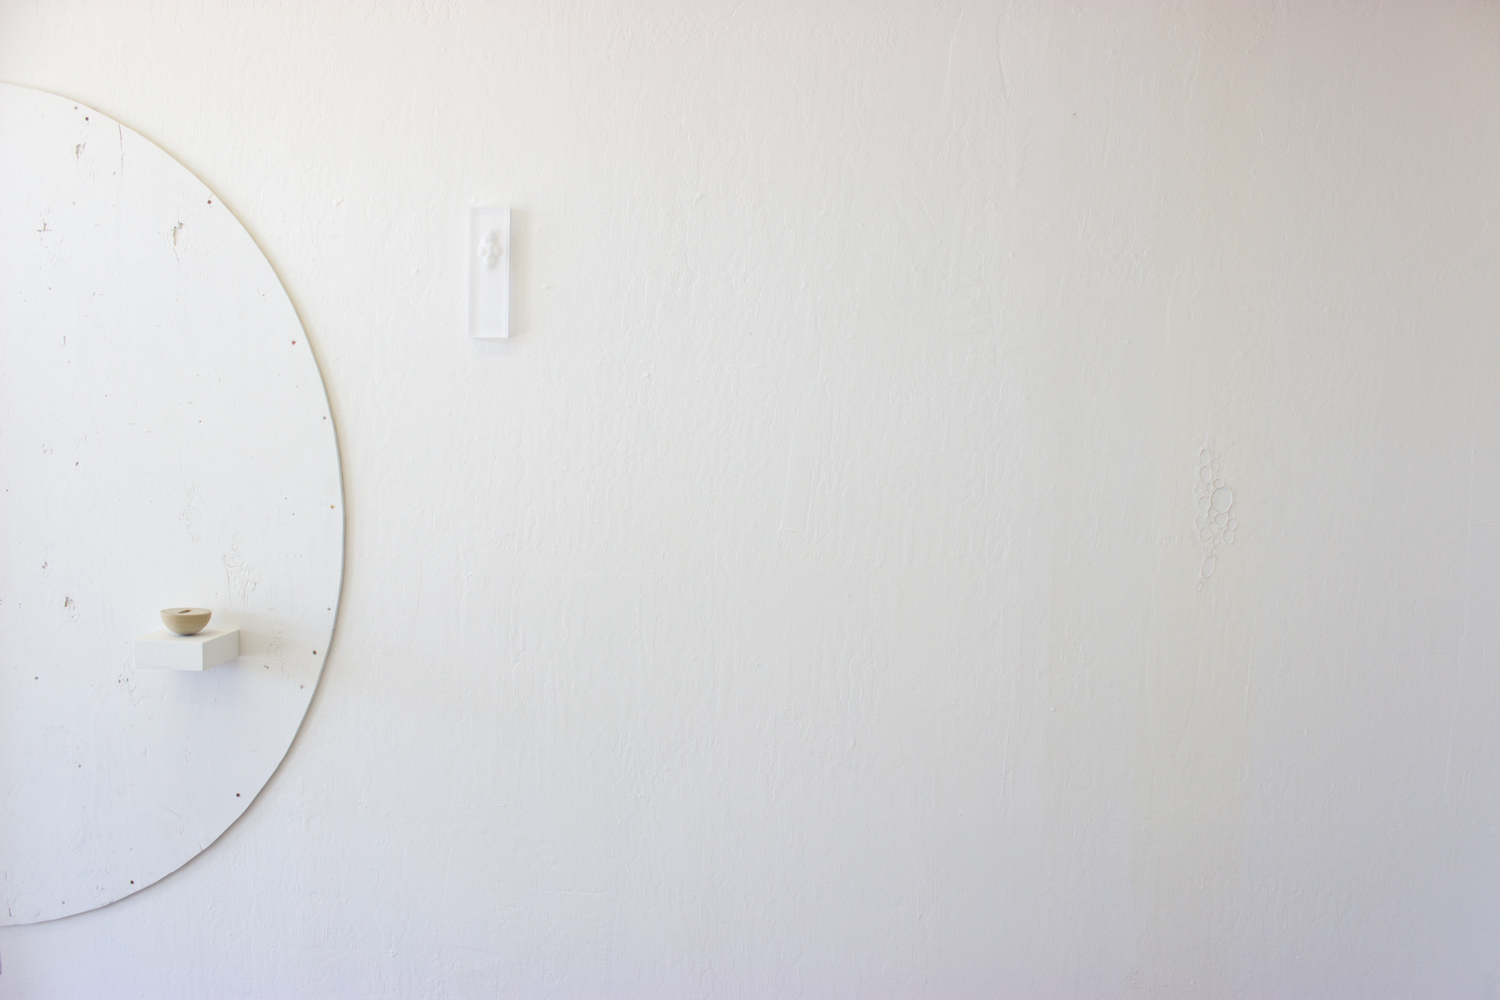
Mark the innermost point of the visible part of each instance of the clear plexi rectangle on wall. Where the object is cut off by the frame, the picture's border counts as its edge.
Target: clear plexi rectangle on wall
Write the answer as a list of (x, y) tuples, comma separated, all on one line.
[(489, 273)]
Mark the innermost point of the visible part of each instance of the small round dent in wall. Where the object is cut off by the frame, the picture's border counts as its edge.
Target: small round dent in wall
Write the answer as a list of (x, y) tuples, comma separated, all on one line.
[(164, 437)]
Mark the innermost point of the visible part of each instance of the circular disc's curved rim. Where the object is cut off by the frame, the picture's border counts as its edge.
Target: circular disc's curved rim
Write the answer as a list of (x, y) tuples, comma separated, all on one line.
[(316, 370)]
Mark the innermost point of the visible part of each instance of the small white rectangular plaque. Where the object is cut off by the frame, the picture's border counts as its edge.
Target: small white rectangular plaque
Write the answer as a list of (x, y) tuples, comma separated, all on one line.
[(489, 273), (166, 650)]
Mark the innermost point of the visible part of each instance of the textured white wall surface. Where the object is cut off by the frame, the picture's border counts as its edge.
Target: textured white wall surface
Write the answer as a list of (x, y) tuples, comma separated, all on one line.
[(823, 594)]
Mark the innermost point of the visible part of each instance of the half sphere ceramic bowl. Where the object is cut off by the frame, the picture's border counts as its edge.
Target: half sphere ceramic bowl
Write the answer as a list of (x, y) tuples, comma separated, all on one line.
[(186, 621)]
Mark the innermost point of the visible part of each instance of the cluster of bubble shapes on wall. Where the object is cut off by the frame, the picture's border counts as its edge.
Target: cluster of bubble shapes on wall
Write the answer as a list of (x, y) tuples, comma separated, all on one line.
[(1215, 521)]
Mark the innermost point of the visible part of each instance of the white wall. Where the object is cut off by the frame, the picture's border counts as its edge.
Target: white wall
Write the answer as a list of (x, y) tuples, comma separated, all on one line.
[(804, 603)]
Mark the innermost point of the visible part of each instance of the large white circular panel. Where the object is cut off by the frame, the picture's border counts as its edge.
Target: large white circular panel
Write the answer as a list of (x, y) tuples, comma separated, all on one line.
[(164, 439)]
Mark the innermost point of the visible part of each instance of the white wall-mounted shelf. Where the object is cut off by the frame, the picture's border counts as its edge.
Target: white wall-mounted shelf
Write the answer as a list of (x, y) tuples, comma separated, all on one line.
[(166, 650)]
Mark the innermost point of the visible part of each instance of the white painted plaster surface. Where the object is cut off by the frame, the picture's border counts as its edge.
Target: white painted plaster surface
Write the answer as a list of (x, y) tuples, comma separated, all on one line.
[(164, 439), (805, 602)]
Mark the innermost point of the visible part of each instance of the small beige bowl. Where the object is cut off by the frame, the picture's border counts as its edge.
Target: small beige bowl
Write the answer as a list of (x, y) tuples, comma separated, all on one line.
[(186, 621)]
